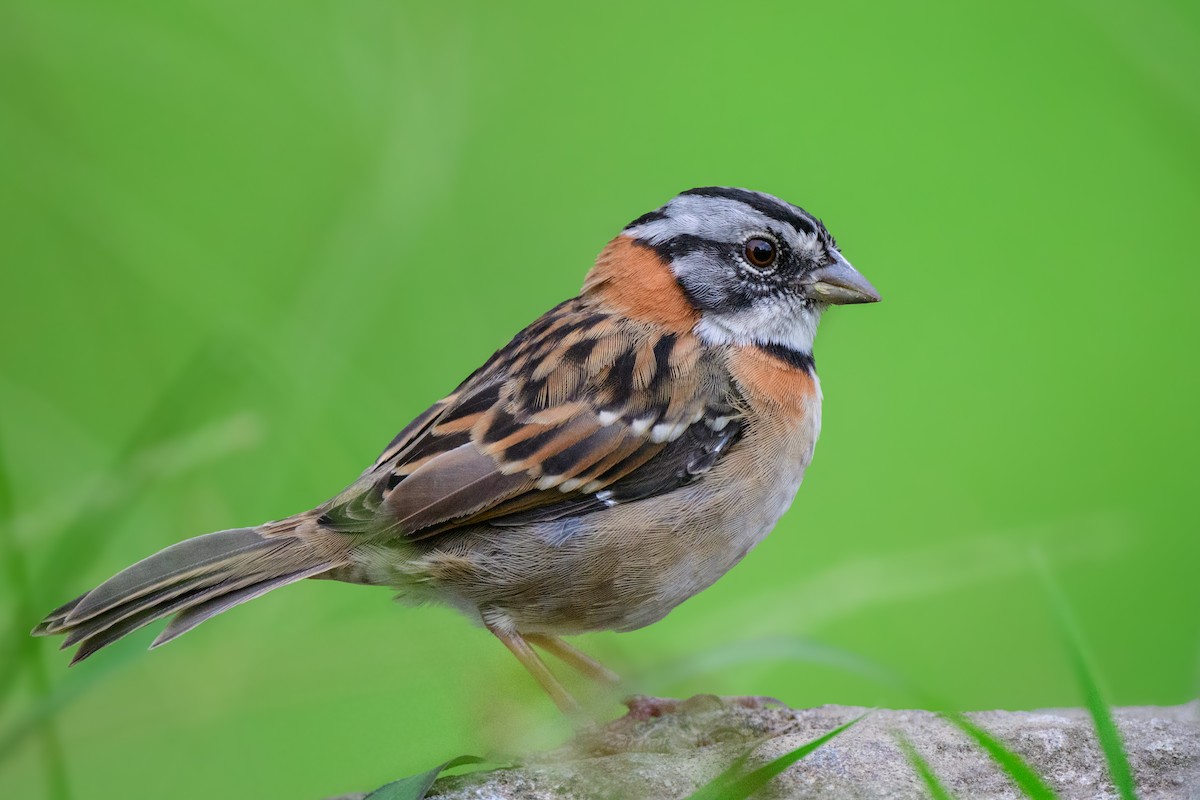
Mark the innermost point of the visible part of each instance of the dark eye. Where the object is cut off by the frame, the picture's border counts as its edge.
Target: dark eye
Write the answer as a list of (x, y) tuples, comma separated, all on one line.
[(760, 252)]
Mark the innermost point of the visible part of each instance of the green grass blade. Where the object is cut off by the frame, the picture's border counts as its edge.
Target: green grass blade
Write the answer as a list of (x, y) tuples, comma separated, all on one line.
[(727, 786), (148, 455), (772, 650), (932, 785), (45, 707), (76, 544), (30, 653), (713, 790), (1016, 767), (76, 541), (1106, 729), (414, 787)]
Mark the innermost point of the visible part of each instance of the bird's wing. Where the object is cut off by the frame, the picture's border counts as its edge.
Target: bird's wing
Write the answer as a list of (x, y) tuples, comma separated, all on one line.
[(582, 410)]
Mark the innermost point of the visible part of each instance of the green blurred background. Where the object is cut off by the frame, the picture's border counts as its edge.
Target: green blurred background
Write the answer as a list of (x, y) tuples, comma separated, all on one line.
[(243, 243)]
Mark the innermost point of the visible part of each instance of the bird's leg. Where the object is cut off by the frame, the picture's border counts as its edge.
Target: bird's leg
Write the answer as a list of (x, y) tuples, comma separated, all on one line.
[(574, 657), (520, 648)]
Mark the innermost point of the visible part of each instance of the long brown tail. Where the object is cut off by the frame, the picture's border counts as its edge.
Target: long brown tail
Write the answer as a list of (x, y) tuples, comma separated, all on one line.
[(194, 580)]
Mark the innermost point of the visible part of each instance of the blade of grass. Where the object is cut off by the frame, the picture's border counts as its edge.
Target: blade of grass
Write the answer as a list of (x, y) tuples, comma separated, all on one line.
[(770, 649), (1016, 767), (78, 544), (75, 543), (1085, 673), (728, 787), (932, 785), (712, 790), (149, 458), (167, 459), (414, 787), (30, 653), (62, 694)]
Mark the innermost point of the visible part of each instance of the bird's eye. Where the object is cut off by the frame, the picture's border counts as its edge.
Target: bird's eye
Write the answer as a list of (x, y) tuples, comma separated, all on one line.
[(761, 252)]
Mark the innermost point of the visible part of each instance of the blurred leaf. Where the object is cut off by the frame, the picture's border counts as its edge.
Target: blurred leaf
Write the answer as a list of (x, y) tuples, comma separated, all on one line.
[(59, 697), (881, 578), (82, 539), (1016, 767), (415, 786), (78, 542), (29, 654), (932, 785), (728, 786), (770, 650), (1106, 729), (141, 462)]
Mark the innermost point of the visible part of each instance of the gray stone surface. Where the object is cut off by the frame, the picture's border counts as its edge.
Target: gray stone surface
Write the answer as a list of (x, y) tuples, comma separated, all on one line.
[(667, 750)]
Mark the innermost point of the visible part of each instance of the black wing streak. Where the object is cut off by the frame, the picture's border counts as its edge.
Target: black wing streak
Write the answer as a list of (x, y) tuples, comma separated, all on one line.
[(681, 462)]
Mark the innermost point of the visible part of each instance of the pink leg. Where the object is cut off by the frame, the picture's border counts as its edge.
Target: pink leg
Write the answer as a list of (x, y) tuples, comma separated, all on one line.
[(575, 657), (538, 669)]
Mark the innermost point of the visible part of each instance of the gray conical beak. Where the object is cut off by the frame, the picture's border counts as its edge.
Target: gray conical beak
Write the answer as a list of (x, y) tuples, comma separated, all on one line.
[(840, 284)]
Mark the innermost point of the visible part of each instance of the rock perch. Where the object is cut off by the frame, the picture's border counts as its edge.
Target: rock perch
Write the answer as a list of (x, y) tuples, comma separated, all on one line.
[(666, 749)]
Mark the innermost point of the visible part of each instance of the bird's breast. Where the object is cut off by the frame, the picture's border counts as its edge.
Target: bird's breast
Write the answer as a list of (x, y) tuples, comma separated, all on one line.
[(758, 481), (777, 383), (674, 546)]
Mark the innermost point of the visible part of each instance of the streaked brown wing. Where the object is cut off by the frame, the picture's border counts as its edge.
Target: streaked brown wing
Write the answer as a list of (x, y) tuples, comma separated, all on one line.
[(581, 410)]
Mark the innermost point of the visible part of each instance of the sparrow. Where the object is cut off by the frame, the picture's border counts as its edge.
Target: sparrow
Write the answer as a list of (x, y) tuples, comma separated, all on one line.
[(617, 457)]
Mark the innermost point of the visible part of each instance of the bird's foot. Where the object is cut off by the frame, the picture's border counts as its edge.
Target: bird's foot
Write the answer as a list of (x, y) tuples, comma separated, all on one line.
[(642, 707)]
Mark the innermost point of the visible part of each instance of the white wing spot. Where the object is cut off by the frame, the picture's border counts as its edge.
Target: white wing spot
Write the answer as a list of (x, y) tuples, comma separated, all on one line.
[(641, 425), (570, 485), (661, 432)]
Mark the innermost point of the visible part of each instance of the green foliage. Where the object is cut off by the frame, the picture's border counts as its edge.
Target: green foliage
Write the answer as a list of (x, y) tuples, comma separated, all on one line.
[(143, 461), (733, 784), (1085, 673), (932, 785), (770, 651), (1017, 768), (27, 655), (414, 787)]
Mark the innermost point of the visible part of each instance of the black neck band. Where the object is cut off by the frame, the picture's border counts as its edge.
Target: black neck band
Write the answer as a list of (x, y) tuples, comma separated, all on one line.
[(795, 358)]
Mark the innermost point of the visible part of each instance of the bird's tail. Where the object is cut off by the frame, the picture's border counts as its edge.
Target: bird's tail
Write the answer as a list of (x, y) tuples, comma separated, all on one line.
[(194, 580)]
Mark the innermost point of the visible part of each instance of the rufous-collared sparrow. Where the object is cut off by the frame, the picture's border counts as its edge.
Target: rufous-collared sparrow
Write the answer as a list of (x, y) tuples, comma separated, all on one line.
[(615, 458)]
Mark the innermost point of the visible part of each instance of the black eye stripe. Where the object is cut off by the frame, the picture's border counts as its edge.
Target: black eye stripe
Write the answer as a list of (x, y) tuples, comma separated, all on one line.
[(685, 244)]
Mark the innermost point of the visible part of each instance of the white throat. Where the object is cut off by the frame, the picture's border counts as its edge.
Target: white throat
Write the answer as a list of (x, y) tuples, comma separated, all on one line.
[(787, 322)]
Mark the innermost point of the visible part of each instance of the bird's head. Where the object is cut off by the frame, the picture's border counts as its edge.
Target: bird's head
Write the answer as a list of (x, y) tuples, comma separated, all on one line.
[(751, 268)]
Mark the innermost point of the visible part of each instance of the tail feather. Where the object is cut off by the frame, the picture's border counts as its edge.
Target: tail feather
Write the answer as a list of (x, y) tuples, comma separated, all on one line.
[(195, 614), (196, 580), (168, 566), (53, 620), (76, 632), (117, 630)]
